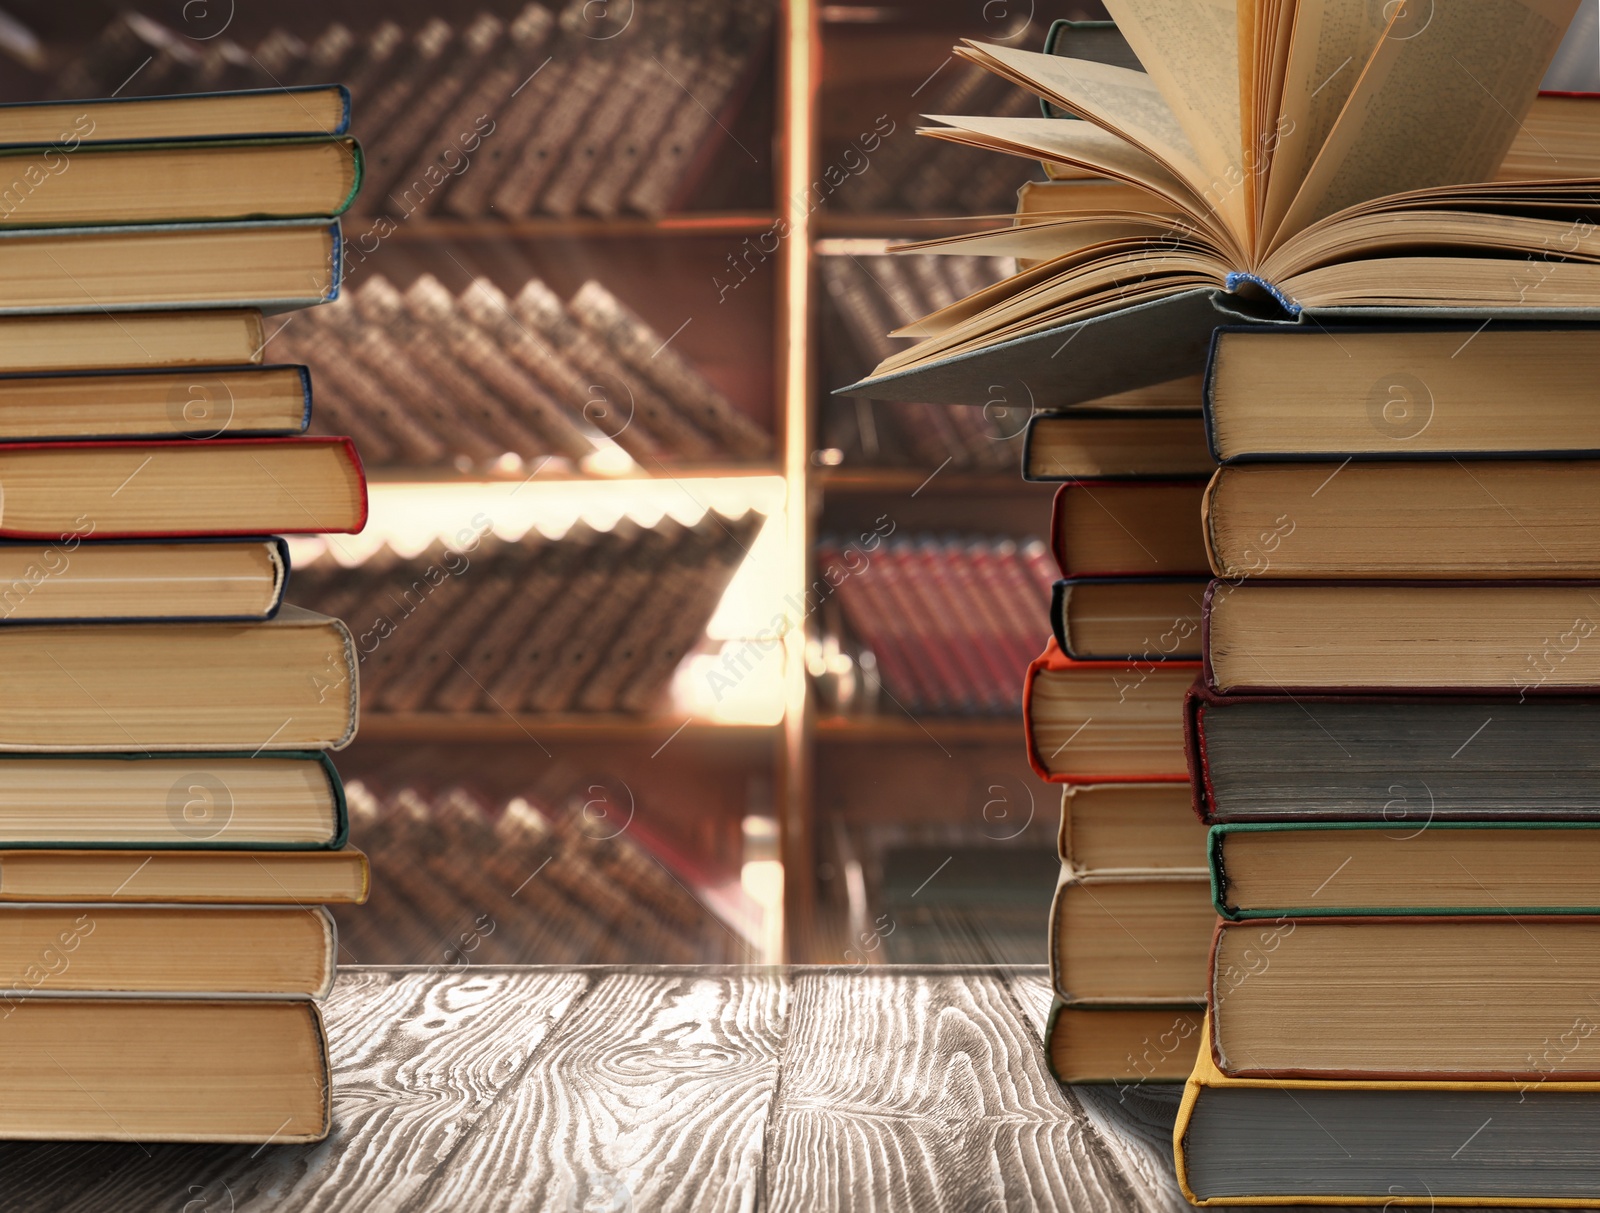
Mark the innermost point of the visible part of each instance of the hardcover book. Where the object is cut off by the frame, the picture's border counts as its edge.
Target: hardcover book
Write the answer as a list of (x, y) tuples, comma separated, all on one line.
[(1128, 618), (1297, 204), (1266, 1141), (1406, 759), (272, 266), (1120, 528), (1491, 998), (1287, 637), (1105, 721), (182, 489)]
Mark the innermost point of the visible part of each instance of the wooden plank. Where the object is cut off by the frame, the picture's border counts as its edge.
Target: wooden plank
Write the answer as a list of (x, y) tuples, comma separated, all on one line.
[(926, 1090), (1133, 1124), (55, 1175), (418, 1055), (655, 1096), (1031, 988)]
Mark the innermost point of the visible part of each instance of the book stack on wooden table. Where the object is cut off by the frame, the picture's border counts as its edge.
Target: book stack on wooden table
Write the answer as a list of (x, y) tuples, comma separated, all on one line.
[(1102, 707), (1392, 732), (170, 825), (1394, 739)]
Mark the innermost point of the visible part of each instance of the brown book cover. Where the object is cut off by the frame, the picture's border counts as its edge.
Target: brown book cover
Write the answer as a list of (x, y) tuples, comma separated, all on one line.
[(413, 408), (672, 591), (462, 139), (661, 93), (653, 357), (541, 650), (598, 64), (479, 586), (667, 178), (434, 306), (382, 306), (618, 402), (645, 687), (627, 591), (445, 68), (466, 687)]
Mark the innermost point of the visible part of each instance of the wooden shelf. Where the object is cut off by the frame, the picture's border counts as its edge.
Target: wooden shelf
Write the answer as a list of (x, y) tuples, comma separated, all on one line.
[(555, 227), (1005, 730), (922, 482), (499, 726), (900, 226), (665, 472)]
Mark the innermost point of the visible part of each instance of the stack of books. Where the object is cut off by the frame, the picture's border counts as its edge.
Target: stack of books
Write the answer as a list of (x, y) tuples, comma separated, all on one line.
[(1392, 740), (554, 109), (1103, 717), (595, 621), (424, 377), (1391, 728), (170, 827)]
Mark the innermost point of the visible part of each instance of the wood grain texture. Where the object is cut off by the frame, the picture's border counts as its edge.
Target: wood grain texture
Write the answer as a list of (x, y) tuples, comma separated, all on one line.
[(925, 1090), (654, 1096), (674, 1088), (418, 1056), (1133, 1124)]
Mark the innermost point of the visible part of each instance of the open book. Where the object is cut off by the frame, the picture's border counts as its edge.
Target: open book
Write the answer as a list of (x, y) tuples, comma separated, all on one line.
[(1301, 157)]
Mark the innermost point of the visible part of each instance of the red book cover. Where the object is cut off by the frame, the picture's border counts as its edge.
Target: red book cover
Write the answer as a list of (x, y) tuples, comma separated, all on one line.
[(1133, 678), (17, 457), (1018, 626), (975, 600), (875, 626), (957, 628), (916, 602)]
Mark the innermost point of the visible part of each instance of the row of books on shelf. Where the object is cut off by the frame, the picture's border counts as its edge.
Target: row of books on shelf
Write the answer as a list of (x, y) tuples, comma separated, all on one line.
[(1323, 721), (461, 880), (948, 620), (559, 109), (869, 295), (173, 830), (595, 621), (905, 174), (425, 377)]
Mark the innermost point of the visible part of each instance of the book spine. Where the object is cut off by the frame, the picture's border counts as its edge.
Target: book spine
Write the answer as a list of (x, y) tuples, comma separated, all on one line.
[(619, 403), (593, 72), (668, 371), (680, 60), (382, 306), (432, 305), (543, 650), (645, 685), (468, 196), (881, 627)]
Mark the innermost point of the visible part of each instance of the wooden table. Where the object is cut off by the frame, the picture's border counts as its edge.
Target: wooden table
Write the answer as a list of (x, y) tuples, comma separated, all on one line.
[(644, 1088)]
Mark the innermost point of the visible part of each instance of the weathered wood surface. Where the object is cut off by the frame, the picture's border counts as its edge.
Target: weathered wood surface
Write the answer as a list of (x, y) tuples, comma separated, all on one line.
[(655, 1095), (907, 1090), (639, 1088)]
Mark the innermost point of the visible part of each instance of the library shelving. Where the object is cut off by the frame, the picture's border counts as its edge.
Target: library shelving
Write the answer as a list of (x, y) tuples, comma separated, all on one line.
[(764, 780)]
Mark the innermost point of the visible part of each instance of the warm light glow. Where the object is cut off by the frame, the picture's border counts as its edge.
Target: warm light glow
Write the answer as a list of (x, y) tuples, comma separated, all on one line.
[(740, 684), (762, 881)]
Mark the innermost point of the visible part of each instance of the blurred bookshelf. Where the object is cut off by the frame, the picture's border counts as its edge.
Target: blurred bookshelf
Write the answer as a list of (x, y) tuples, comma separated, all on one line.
[(618, 307)]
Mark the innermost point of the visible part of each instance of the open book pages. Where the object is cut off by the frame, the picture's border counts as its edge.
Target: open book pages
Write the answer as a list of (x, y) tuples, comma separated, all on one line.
[(1304, 154)]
